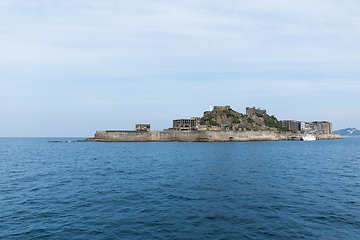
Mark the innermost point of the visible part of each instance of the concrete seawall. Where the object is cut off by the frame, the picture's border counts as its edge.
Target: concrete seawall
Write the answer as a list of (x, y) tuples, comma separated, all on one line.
[(199, 136)]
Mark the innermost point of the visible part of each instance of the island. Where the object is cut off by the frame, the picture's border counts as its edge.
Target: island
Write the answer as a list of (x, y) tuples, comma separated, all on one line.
[(348, 132), (223, 124)]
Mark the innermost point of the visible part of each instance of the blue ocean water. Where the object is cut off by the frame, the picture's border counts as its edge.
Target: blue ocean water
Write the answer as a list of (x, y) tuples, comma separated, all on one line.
[(179, 190)]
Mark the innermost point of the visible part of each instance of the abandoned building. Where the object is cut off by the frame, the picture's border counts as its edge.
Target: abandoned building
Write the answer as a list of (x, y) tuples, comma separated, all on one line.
[(317, 126), (252, 111), (186, 124), (291, 125), (142, 127), (224, 118)]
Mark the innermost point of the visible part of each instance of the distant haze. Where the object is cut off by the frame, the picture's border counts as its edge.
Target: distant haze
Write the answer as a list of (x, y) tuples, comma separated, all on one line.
[(69, 68)]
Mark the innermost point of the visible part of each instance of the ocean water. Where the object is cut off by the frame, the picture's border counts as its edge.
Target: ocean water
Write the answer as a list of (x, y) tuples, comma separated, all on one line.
[(176, 190)]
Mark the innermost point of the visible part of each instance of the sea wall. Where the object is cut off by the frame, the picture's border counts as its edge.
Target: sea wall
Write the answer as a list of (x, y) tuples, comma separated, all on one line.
[(327, 136), (122, 136), (208, 136), (185, 136), (198, 136), (298, 136)]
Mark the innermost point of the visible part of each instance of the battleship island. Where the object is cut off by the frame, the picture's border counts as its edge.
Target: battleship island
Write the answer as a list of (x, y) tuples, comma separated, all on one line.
[(223, 124)]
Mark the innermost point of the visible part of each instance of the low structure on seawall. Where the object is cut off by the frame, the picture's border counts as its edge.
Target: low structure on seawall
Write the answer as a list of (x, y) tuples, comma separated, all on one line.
[(223, 124)]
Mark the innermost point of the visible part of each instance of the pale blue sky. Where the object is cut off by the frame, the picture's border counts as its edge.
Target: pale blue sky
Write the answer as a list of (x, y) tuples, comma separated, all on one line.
[(69, 68)]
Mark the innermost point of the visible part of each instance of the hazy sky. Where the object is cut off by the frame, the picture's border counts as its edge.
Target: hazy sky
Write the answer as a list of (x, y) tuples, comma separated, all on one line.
[(69, 68)]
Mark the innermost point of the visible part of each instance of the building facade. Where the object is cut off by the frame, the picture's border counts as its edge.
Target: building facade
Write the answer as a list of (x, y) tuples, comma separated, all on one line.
[(142, 127), (313, 127), (186, 124), (318, 126), (252, 111), (291, 125)]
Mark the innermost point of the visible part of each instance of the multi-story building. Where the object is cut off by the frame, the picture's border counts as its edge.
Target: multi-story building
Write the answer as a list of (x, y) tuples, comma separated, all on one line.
[(318, 126), (323, 127), (304, 127), (186, 124), (291, 125)]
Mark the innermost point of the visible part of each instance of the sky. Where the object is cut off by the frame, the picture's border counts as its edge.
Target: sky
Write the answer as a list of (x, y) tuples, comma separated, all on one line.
[(70, 68)]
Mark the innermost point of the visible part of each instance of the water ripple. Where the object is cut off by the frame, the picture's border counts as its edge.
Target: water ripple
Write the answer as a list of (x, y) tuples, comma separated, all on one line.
[(260, 190)]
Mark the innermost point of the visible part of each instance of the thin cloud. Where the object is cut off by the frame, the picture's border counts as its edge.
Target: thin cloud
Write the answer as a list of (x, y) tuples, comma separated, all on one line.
[(176, 56)]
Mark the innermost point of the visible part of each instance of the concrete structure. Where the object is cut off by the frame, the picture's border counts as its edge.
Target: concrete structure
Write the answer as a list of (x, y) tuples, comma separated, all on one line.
[(142, 127), (202, 127), (304, 127), (291, 125), (323, 127), (312, 127), (223, 124), (252, 111), (199, 136), (217, 108), (214, 128), (318, 126), (186, 124)]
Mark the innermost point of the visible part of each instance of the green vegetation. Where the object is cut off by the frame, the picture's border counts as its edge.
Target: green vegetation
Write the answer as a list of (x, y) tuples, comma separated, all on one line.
[(250, 120), (271, 121), (230, 114), (208, 119), (234, 117), (236, 120), (213, 123)]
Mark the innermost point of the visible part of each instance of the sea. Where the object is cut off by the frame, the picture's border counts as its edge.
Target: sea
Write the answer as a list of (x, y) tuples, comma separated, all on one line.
[(179, 190)]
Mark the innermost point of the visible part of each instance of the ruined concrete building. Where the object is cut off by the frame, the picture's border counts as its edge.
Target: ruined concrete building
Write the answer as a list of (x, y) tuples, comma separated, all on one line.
[(252, 111), (224, 124), (186, 124), (317, 126), (291, 125), (142, 127), (218, 108), (256, 119)]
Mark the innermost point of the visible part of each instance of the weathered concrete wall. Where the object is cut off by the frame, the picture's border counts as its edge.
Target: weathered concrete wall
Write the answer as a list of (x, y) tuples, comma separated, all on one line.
[(327, 136), (239, 136), (298, 136), (193, 136), (199, 136), (122, 136)]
